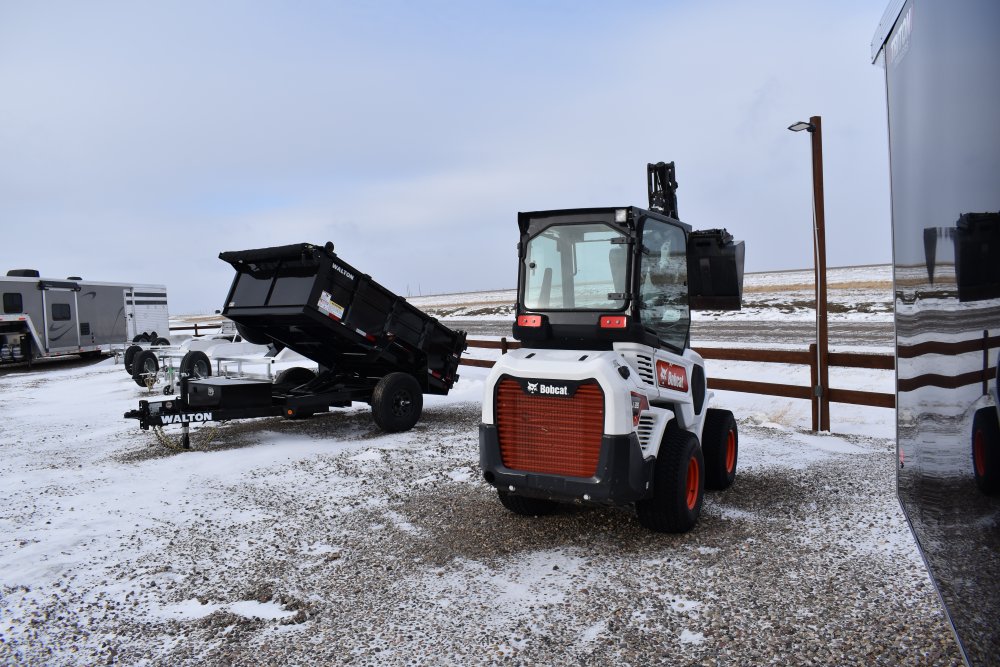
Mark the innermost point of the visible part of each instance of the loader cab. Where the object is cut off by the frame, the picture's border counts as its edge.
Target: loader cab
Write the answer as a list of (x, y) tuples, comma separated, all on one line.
[(589, 278)]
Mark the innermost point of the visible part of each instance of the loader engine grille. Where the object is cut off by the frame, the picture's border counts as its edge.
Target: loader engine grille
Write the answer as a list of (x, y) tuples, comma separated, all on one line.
[(551, 435)]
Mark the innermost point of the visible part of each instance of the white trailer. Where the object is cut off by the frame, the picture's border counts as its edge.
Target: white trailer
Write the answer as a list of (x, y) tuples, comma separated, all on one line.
[(50, 317)]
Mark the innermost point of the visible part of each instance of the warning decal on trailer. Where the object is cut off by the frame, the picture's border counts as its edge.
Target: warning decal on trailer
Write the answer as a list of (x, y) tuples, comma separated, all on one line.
[(329, 306)]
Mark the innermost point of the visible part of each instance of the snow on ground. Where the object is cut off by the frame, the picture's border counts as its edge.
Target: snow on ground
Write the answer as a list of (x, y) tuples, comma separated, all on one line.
[(328, 542)]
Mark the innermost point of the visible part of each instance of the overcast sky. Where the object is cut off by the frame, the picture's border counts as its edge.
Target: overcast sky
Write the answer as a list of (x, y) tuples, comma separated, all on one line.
[(138, 140)]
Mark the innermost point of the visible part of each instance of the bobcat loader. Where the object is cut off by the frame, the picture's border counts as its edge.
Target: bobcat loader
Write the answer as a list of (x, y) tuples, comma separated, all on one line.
[(606, 403)]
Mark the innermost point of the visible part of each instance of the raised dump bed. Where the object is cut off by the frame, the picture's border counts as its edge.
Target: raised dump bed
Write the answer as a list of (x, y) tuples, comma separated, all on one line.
[(370, 344), (307, 298)]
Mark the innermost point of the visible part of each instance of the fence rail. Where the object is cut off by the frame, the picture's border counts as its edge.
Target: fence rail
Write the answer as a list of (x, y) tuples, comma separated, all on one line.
[(813, 393)]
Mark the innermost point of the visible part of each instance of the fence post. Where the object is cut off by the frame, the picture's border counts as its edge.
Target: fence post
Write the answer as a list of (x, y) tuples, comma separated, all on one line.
[(986, 361), (503, 345), (813, 383)]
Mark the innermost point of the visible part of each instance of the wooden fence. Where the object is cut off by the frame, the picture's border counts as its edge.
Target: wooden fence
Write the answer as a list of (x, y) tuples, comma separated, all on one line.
[(819, 397)]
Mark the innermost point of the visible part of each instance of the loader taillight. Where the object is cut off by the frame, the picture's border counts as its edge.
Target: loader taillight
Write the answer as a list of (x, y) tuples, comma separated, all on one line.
[(614, 321), (547, 434), (529, 320)]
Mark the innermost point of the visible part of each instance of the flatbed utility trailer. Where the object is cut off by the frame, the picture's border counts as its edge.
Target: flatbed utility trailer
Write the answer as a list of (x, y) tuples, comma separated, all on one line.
[(50, 317), (371, 345)]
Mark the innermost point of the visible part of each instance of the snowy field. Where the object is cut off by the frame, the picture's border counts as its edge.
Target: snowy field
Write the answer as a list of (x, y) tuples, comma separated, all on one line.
[(328, 542)]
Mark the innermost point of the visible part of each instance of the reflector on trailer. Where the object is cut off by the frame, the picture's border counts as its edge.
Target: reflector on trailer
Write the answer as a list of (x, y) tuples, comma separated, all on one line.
[(614, 321)]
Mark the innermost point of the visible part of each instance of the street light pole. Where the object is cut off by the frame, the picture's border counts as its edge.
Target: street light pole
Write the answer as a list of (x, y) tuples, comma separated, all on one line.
[(822, 388)]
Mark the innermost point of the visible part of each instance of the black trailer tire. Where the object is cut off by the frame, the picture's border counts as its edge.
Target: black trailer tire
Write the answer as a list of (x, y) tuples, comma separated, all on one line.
[(129, 357), (678, 485), (527, 506), (986, 450), (397, 402), (720, 445), (141, 338), (145, 362), (293, 377), (252, 336), (196, 364), (161, 341)]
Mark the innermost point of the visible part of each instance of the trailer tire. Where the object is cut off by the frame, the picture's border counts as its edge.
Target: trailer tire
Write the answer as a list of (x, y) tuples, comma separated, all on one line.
[(397, 402), (129, 357), (141, 338), (527, 506), (720, 445), (196, 364), (161, 341), (145, 362), (293, 377), (986, 450), (251, 336), (678, 485)]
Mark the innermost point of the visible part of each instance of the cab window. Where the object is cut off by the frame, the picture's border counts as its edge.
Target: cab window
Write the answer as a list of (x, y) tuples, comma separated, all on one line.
[(663, 292)]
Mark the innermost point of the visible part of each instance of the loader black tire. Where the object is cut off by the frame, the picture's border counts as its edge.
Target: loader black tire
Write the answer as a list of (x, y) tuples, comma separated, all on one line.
[(986, 450), (145, 362), (129, 357), (397, 402), (720, 445), (196, 364), (293, 377), (527, 506), (678, 485)]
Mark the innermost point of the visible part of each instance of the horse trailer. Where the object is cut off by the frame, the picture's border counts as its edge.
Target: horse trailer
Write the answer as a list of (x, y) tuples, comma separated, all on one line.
[(48, 317)]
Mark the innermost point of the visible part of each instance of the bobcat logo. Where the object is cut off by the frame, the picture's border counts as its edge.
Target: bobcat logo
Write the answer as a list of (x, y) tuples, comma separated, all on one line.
[(532, 387)]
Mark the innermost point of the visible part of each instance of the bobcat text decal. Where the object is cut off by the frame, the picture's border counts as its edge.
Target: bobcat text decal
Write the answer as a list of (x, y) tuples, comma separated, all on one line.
[(547, 389), (671, 376)]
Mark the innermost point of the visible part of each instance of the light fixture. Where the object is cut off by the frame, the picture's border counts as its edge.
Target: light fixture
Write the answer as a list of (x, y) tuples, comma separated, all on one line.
[(801, 125)]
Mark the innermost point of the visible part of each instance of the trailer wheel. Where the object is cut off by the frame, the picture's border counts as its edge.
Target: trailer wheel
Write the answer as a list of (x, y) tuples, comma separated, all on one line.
[(252, 336), (678, 485), (141, 338), (196, 364), (527, 506), (720, 446), (397, 402), (986, 450), (293, 377), (161, 341), (145, 363), (130, 353)]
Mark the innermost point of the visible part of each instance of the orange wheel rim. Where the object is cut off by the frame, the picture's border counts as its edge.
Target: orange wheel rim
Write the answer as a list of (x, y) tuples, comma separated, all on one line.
[(979, 453), (730, 451), (692, 483)]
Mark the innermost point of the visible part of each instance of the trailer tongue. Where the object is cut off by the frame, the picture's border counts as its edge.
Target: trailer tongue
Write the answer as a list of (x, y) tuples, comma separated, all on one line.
[(371, 345)]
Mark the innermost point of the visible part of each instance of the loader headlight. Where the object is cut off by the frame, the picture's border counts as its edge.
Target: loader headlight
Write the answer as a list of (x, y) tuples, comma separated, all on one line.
[(621, 215)]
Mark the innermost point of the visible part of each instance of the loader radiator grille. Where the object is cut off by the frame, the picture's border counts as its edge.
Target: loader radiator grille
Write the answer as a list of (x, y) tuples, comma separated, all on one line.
[(544, 434)]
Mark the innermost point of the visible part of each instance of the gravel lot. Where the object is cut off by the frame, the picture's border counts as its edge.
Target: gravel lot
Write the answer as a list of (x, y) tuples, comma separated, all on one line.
[(327, 542)]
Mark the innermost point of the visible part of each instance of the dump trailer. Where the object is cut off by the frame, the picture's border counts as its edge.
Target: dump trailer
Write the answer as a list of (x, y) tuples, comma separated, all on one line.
[(605, 402), (50, 317), (371, 345)]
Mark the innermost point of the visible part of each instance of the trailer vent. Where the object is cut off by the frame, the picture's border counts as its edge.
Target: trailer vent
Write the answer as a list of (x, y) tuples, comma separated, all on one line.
[(84, 328), (550, 435), (647, 424)]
